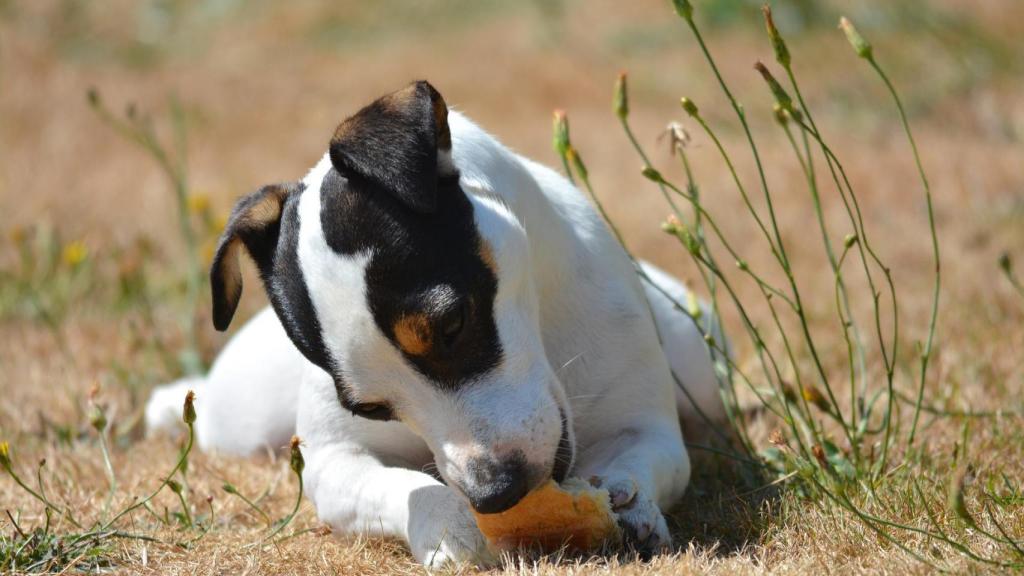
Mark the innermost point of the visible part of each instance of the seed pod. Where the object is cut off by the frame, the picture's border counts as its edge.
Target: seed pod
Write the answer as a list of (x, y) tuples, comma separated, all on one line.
[(850, 240), (577, 163), (620, 101), (781, 117), (229, 488), (860, 45), (652, 174), (1005, 263), (188, 413), (819, 455), (561, 133), (689, 106), (684, 9), (298, 464), (671, 225), (742, 265), (692, 246), (781, 97), (174, 485), (676, 228), (693, 306), (787, 390), (778, 44), (97, 418)]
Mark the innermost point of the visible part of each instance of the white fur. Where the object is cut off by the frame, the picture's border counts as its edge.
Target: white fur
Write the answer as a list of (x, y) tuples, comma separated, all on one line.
[(576, 327)]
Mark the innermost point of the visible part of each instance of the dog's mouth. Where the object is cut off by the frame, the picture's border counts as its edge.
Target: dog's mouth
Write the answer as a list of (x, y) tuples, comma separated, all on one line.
[(564, 453)]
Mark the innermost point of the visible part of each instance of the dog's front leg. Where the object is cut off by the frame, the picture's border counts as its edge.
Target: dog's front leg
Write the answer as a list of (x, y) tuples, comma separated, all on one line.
[(355, 478), (644, 468), (355, 494)]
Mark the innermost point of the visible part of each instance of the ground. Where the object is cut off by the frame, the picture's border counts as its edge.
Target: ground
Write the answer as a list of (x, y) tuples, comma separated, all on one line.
[(92, 262)]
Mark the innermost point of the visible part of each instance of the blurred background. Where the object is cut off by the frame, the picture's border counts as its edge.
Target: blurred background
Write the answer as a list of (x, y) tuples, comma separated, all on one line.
[(240, 94)]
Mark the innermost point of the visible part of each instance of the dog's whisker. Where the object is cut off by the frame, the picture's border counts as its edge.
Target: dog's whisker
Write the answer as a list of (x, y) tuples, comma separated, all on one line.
[(568, 362), (583, 396)]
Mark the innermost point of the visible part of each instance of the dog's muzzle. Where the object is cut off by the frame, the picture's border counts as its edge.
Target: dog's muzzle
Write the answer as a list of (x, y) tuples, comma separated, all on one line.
[(497, 484)]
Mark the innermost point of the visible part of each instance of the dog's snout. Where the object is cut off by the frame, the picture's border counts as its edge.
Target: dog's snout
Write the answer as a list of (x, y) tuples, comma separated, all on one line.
[(495, 485)]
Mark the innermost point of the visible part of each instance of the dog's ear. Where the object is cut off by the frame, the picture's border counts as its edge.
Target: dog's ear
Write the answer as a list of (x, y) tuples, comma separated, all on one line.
[(400, 143), (254, 223)]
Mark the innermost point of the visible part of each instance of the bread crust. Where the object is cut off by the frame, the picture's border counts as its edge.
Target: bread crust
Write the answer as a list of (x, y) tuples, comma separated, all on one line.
[(575, 515)]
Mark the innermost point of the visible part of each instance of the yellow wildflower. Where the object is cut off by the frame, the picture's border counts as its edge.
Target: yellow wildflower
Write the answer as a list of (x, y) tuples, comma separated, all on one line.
[(74, 253)]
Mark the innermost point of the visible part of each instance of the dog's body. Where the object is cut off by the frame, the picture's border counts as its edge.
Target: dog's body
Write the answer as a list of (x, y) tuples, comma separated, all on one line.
[(522, 346)]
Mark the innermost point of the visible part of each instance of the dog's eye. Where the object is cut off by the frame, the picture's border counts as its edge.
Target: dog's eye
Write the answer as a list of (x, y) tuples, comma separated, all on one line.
[(374, 411), (451, 324)]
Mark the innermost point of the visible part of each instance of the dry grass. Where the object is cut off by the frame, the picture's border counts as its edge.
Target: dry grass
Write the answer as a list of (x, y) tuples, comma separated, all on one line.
[(265, 87)]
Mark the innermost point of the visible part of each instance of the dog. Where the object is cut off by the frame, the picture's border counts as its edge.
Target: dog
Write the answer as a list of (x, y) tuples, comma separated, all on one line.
[(450, 326)]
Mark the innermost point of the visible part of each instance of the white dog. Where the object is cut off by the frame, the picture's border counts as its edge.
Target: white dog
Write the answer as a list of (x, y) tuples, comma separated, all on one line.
[(452, 326)]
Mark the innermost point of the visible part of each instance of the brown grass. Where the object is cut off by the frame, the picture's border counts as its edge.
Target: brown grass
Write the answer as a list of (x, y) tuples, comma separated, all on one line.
[(265, 89)]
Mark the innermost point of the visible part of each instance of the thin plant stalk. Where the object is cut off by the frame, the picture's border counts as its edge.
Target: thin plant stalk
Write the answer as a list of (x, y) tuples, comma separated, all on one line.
[(140, 130), (855, 346), (181, 463), (8, 465), (927, 352), (778, 251), (795, 303), (297, 464), (109, 468), (839, 172), (234, 491)]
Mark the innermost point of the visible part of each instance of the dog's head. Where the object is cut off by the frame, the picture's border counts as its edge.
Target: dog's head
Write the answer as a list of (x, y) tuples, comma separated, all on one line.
[(415, 296)]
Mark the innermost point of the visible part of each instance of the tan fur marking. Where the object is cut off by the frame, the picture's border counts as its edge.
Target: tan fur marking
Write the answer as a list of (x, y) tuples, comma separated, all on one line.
[(267, 210), (231, 272), (487, 255), (401, 99), (444, 136), (414, 334)]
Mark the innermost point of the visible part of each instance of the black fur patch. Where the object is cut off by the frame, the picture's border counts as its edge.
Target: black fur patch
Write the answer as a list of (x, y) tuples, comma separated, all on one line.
[(393, 144), (289, 295), (422, 265)]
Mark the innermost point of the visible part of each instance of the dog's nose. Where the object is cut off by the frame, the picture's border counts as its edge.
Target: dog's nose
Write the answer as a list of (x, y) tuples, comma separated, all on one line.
[(497, 485)]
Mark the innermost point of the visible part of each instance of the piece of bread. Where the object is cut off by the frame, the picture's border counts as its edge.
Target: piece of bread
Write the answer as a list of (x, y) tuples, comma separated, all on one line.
[(575, 515)]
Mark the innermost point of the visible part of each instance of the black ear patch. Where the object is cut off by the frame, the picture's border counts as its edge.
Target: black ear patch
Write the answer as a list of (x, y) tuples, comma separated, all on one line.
[(394, 144), (254, 223)]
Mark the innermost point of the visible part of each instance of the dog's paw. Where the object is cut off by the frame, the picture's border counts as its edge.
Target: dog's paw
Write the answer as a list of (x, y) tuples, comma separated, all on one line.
[(644, 529), (442, 530)]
